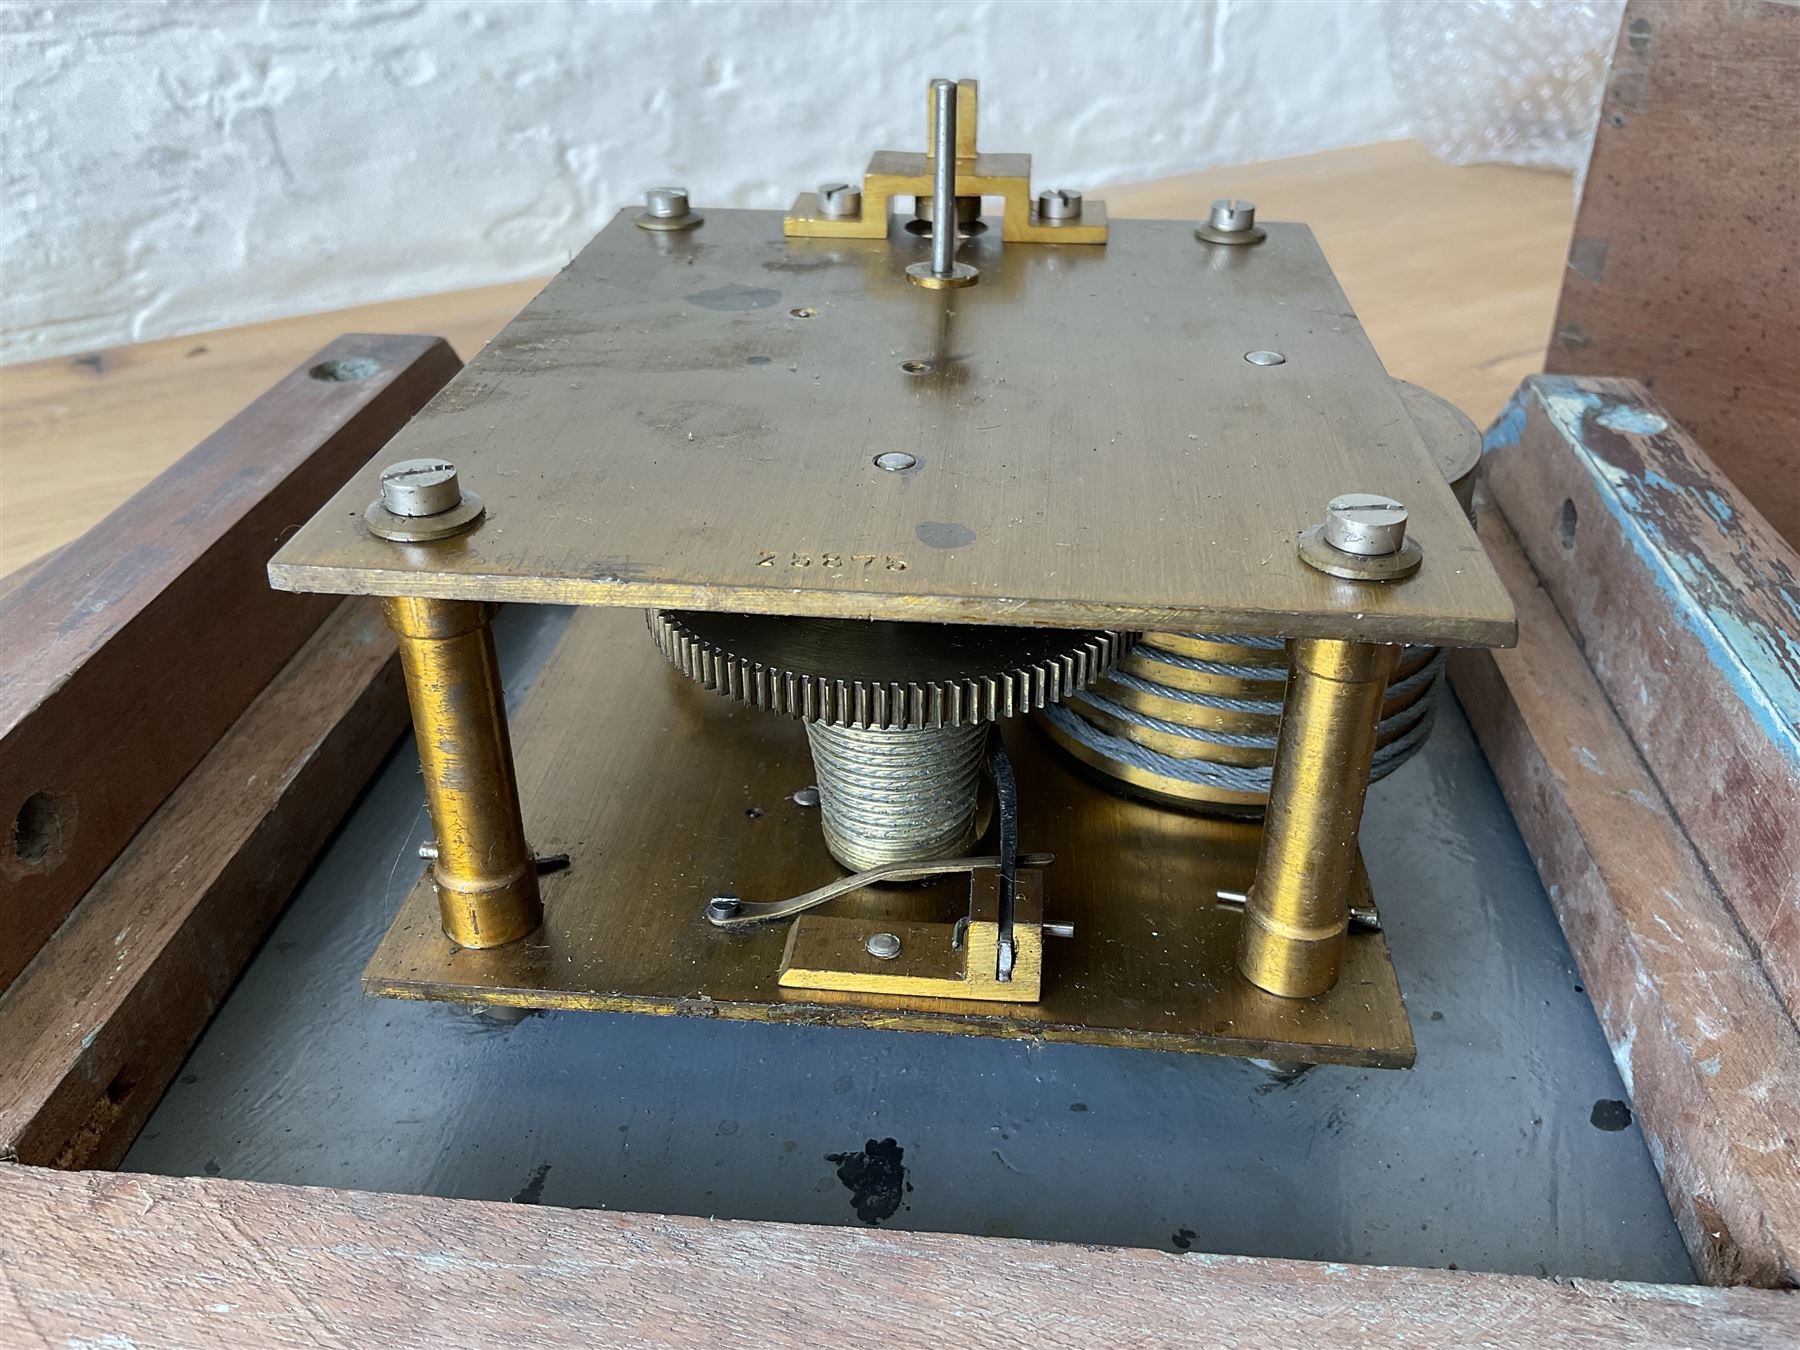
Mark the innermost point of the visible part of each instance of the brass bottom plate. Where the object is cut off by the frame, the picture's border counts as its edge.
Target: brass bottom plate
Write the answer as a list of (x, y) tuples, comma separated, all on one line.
[(664, 794)]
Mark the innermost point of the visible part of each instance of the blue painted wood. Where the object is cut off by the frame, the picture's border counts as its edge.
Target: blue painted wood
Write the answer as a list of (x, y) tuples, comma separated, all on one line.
[(1687, 603)]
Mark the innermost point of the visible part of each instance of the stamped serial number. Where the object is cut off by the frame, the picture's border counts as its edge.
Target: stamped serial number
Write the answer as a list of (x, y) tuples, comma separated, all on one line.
[(832, 562)]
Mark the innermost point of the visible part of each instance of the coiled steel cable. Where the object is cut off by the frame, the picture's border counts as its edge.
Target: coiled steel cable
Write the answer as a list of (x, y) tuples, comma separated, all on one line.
[(896, 794)]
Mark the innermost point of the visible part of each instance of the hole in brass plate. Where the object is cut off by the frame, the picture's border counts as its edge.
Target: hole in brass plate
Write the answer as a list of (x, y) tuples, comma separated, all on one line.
[(916, 367), (804, 312)]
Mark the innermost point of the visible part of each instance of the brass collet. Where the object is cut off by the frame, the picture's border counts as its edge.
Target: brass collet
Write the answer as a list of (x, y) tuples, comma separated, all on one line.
[(1292, 940), (486, 878)]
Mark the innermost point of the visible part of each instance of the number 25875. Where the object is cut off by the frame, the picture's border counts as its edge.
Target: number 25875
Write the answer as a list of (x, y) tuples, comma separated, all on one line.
[(832, 562)]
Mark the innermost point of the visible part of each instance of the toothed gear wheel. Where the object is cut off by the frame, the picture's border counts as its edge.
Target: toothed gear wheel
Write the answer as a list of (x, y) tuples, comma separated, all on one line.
[(881, 674)]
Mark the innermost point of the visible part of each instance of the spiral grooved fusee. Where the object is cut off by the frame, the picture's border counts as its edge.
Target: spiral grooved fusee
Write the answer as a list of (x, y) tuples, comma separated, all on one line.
[(1190, 719), (897, 795), (897, 714)]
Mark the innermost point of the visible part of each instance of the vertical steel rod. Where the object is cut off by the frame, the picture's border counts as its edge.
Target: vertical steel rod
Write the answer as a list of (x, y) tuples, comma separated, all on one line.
[(1292, 940), (1006, 805), (943, 182), (485, 876)]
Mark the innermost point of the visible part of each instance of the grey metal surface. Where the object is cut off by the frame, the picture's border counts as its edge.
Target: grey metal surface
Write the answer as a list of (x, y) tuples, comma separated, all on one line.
[(943, 175), (1506, 1149)]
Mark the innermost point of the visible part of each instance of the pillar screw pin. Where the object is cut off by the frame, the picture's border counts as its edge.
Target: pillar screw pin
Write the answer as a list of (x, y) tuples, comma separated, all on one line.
[(1057, 206), (421, 500), (1363, 538), (1231, 221), (840, 200), (666, 208)]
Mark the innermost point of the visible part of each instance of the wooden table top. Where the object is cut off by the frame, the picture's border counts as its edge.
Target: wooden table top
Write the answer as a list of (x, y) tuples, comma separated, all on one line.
[(1453, 271)]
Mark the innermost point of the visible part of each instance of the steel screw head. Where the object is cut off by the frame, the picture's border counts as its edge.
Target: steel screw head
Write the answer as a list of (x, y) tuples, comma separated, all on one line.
[(1059, 204), (895, 461), (723, 906), (1363, 538), (840, 199), (420, 500), (1231, 222), (1232, 217), (420, 487), (807, 796), (1265, 358), (1366, 524), (666, 211), (882, 946), (666, 203)]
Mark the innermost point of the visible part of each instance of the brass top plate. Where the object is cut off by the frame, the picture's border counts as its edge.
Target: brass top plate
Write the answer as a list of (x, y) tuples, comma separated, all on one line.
[(691, 420)]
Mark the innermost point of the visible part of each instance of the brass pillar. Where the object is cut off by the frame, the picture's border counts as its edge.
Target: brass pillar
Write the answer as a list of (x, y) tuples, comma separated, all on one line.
[(485, 876), (1292, 940)]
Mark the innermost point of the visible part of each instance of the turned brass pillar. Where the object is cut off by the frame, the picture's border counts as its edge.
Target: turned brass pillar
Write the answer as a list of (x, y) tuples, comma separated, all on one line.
[(486, 879), (1297, 913)]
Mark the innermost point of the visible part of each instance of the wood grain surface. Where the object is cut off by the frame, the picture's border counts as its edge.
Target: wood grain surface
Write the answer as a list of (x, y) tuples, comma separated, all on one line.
[(1457, 297), (100, 1021), (1687, 605), (1684, 271), (80, 434), (92, 1259), (1701, 1039), (130, 654)]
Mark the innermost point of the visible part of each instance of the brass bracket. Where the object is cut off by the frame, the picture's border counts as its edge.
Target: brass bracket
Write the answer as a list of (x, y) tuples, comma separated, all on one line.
[(899, 173), (933, 960)]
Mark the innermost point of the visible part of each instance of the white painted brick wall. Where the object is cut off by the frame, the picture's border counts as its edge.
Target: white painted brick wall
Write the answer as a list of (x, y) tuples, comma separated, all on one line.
[(175, 166)]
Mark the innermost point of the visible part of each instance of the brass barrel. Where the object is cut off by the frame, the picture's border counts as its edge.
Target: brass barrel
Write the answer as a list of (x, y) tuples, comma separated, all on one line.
[(1292, 940), (485, 876), (1189, 719)]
